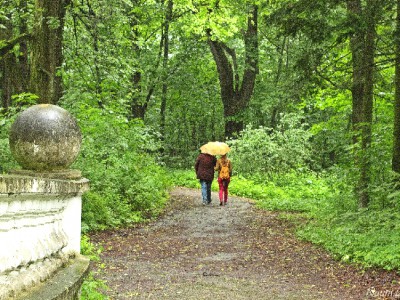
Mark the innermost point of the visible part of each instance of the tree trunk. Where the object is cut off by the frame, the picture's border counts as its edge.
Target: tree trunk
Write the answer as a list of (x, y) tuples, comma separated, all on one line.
[(368, 100), (46, 57), (139, 102), (167, 21), (356, 45), (138, 109), (396, 127), (6, 67), (362, 45), (23, 50), (14, 67), (235, 95)]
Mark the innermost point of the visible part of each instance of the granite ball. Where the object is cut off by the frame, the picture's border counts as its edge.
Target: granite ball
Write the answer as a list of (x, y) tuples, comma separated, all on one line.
[(45, 137)]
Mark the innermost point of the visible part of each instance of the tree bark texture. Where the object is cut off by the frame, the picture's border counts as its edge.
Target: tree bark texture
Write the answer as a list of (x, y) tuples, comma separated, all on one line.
[(236, 95), (13, 64), (167, 21), (138, 109), (396, 127), (46, 53), (6, 66), (362, 45)]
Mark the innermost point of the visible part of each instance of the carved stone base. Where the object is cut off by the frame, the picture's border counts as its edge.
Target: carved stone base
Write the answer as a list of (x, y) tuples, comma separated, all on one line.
[(65, 284), (55, 174)]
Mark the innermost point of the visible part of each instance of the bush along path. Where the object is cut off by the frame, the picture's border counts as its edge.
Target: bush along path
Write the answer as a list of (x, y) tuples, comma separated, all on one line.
[(231, 252)]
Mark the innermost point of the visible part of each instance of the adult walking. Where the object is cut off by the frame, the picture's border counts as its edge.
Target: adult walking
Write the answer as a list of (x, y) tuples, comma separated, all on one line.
[(224, 168), (204, 167)]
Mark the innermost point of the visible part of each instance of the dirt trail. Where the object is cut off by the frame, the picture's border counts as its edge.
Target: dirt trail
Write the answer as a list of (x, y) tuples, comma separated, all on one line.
[(232, 252)]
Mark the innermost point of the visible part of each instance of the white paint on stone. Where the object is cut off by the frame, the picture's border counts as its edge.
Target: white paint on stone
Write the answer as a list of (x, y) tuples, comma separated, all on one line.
[(40, 228)]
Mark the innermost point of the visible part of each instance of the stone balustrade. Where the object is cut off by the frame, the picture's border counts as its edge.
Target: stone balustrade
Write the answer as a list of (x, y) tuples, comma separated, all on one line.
[(40, 228)]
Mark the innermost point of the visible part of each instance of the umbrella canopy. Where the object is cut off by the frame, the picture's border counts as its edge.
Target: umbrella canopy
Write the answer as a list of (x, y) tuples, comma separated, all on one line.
[(215, 148)]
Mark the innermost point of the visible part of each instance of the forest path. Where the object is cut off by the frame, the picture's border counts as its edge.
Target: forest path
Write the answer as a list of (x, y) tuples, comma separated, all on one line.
[(231, 252)]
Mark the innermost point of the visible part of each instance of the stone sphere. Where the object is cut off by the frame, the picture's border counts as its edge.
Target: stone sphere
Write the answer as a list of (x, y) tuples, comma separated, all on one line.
[(45, 137)]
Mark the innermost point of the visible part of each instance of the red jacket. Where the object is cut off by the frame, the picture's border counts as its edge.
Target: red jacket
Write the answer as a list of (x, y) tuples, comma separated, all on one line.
[(204, 166)]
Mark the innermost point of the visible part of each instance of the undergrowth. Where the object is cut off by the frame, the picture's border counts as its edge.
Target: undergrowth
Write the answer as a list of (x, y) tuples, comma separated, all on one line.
[(92, 287)]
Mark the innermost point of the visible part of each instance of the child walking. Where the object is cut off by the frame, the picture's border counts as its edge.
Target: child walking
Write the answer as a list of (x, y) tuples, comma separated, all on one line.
[(224, 168)]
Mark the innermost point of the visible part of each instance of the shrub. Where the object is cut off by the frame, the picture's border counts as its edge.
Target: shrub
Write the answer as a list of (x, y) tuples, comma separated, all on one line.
[(265, 151), (119, 157), (92, 288)]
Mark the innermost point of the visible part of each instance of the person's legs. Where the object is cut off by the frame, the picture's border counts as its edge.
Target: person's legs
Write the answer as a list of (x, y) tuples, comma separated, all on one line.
[(209, 191), (226, 189), (221, 190), (203, 184)]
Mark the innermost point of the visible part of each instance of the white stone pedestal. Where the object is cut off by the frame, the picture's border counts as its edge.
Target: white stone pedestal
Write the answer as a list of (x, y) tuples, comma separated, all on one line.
[(40, 229)]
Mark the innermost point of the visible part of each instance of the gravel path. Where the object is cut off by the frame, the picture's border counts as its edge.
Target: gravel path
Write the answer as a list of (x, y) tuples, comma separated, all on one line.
[(232, 252)]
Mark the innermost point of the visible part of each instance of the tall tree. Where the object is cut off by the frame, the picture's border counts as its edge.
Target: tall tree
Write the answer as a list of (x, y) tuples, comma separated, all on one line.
[(47, 57), (236, 93), (7, 63), (138, 107), (165, 38), (14, 36), (142, 27), (396, 131), (362, 44)]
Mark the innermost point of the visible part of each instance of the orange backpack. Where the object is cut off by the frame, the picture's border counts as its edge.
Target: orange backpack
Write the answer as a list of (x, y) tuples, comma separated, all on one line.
[(224, 172)]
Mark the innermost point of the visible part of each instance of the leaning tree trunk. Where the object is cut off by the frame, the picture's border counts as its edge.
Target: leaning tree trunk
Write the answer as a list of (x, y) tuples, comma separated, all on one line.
[(46, 57), (236, 95), (396, 130)]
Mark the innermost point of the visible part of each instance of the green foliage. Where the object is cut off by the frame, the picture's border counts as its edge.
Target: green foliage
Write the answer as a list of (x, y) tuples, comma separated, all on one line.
[(302, 192), (89, 250), (265, 151), (369, 237), (118, 157), (7, 161), (186, 178), (292, 191), (92, 288), (223, 18), (7, 118), (195, 115)]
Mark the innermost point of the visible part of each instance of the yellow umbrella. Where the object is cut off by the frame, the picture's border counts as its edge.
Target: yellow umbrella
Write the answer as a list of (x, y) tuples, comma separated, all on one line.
[(215, 148)]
